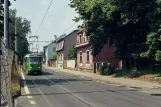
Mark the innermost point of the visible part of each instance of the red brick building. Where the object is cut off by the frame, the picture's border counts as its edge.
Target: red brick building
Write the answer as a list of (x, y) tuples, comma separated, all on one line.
[(85, 59)]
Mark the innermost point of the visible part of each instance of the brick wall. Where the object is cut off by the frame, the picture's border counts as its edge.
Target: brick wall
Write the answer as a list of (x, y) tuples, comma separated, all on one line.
[(65, 64), (84, 66), (108, 54)]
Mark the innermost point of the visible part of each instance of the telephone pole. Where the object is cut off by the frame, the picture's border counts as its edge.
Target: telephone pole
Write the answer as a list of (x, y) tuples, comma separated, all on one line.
[(16, 58), (6, 39), (6, 23)]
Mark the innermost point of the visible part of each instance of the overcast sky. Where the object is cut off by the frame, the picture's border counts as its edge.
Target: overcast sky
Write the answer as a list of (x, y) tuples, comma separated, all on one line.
[(58, 19)]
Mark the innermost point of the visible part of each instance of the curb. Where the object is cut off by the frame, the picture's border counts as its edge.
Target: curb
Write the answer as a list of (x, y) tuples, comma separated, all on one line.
[(106, 81)]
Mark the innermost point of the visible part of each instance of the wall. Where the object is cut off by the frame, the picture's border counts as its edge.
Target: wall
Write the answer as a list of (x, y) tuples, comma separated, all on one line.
[(59, 61), (68, 42), (108, 54), (52, 63), (70, 63), (84, 66), (49, 52)]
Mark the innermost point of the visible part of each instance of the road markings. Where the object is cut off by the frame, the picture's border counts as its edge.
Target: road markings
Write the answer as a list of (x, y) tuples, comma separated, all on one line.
[(42, 93), (26, 88), (29, 97), (32, 102), (79, 98), (25, 85), (16, 103)]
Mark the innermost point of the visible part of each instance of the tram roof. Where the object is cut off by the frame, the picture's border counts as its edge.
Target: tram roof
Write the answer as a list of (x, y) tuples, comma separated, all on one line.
[(33, 55)]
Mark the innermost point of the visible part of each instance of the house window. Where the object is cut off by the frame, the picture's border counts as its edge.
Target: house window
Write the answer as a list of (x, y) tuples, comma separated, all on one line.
[(87, 53), (87, 38), (61, 57), (60, 44), (84, 39), (80, 57), (80, 38)]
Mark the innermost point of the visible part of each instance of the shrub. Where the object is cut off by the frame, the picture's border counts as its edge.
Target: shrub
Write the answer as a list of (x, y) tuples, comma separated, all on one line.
[(135, 73)]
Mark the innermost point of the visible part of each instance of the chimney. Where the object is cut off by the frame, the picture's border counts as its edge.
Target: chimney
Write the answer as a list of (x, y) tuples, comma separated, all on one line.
[(55, 37)]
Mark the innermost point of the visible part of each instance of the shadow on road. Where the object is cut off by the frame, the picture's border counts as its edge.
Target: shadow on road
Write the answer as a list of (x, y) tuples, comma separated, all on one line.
[(66, 93), (156, 94), (43, 73), (45, 82)]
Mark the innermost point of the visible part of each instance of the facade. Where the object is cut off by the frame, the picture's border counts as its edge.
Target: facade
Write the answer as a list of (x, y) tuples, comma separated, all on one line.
[(86, 61), (84, 56), (64, 43), (49, 51)]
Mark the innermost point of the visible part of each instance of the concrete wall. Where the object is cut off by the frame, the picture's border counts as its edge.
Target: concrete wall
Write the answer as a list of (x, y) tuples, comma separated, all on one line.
[(70, 63)]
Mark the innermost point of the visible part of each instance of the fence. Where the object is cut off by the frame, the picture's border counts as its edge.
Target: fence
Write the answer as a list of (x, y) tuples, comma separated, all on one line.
[(71, 64), (6, 62)]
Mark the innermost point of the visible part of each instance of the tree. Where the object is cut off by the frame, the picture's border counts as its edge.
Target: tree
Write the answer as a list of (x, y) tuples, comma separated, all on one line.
[(126, 24), (55, 56), (23, 29), (72, 54), (1, 17)]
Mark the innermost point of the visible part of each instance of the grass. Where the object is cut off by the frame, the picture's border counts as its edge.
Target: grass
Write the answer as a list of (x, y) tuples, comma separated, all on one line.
[(144, 74), (15, 80)]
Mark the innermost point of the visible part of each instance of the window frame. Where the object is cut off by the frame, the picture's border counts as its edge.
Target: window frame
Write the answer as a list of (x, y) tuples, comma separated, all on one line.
[(87, 56), (80, 57)]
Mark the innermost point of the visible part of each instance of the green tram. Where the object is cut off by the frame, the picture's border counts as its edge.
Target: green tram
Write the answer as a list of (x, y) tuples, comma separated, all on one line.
[(32, 63)]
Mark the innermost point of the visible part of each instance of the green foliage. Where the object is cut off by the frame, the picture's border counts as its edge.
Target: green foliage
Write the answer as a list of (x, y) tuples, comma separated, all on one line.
[(132, 26), (55, 56), (23, 29), (72, 54), (106, 69), (135, 73)]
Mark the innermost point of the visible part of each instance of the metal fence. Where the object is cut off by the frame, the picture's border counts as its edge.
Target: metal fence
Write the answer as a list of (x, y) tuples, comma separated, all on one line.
[(6, 59)]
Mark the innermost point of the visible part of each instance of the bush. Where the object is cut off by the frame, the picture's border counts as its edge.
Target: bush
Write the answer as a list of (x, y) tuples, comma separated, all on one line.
[(135, 73), (106, 70), (55, 56)]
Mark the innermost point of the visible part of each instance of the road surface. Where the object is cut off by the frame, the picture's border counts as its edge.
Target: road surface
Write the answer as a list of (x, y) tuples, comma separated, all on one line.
[(56, 89)]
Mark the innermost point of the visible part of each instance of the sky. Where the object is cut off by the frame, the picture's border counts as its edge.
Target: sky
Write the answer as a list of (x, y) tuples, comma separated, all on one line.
[(57, 21)]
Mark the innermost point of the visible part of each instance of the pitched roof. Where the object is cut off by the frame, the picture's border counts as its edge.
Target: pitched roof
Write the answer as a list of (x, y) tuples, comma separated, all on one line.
[(61, 37), (50, 43), (64, 35)]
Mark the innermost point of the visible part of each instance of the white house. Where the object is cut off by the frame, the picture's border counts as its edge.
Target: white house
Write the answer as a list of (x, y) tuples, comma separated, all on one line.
[(49, 51)]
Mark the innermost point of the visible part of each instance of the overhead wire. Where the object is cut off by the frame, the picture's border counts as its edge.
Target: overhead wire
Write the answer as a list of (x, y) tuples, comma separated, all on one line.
[(44, 15), (43, 20), (69, 27)]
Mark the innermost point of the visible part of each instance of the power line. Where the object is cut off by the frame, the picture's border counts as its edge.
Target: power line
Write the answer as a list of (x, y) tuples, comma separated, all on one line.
[(70, 27), (44, 15)]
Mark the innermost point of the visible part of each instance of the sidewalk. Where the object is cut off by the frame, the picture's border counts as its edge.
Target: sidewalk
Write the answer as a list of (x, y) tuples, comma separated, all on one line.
[(113, 80)]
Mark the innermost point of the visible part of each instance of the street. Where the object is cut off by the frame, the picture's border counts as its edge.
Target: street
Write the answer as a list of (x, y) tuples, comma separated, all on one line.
[(55, 89)]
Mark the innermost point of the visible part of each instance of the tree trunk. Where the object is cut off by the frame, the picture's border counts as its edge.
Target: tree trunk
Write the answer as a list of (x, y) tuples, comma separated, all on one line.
[(152, 64), (127, 63)]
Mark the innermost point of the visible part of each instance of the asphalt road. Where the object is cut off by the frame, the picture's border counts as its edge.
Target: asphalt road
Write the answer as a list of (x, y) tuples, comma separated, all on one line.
[(55, 89)]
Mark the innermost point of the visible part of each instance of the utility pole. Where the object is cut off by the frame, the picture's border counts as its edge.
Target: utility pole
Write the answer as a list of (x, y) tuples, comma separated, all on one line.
[(16, 58), (6, 37), (6, 23)]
